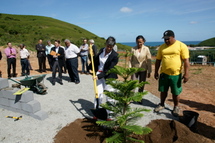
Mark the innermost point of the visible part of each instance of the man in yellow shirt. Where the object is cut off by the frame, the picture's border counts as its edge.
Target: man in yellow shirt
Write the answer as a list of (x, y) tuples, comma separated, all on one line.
[(171, 56)]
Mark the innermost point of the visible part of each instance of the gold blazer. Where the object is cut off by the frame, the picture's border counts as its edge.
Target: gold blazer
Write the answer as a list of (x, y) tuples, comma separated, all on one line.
[(141, 59)]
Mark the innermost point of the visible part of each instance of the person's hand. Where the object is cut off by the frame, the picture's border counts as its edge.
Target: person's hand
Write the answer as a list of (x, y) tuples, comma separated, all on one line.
[(156, 76), (185, 78), (149, 75), (96, 77)]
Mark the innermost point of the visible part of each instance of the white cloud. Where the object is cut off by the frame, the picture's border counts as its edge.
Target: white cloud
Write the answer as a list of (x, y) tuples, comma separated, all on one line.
[(193, 22), (126, 10)]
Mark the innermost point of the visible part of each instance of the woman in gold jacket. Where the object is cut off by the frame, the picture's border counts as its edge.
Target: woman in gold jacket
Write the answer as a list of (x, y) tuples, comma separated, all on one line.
[(141, 58)]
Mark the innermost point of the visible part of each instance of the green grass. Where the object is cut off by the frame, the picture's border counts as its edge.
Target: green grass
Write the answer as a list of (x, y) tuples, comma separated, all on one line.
[(197, 71), (29, 29)]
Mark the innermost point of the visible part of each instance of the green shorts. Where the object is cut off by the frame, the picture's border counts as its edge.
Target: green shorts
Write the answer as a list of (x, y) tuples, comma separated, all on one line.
[(172, 81)]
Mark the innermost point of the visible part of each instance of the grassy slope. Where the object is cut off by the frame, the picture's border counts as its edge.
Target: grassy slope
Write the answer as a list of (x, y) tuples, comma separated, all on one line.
[(208, 42), (29, 29)]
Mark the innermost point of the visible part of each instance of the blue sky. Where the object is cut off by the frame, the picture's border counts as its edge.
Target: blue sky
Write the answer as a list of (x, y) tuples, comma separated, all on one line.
[(191, 20)]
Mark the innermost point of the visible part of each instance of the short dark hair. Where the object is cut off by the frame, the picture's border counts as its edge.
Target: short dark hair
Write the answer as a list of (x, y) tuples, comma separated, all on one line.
[(22, 45), (57, 41), (140, 37), (111, 41)]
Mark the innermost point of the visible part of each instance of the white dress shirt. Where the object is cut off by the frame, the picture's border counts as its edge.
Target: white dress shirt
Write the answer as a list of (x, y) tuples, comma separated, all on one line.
[(24, 53), (71, 51), (102, 59)]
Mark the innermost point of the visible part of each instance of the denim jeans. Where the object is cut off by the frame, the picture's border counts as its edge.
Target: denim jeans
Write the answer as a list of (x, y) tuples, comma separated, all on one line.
[(84, 62)]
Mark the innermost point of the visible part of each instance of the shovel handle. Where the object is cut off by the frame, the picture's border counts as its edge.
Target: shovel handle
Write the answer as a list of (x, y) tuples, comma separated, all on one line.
[(94, 74)]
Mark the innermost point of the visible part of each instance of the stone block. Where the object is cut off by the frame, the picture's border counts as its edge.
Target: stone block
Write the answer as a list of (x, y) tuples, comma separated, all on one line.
[(40, 115), (6, 107), (32, 106), (4, 101), (27, 96), (3, 83), (15, 104), (8, 93), (1, 93)]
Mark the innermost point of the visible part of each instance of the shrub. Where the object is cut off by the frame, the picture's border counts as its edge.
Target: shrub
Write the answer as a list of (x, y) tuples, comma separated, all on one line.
[(124, 116)]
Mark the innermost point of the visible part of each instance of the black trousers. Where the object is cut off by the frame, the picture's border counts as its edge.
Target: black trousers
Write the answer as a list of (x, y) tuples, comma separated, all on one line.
[(72, 67), (64, 66), (25, 67), (11, 62), (141, 76), (42, 63), (49, 57), (56, 67)]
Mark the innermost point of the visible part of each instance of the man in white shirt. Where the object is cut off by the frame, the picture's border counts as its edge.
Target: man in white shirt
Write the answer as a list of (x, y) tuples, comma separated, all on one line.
[(24, 55), (48, 50), (71, 54)]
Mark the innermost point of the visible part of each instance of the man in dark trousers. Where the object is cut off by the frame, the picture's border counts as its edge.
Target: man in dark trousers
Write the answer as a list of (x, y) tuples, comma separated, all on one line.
[(10, 53), (71, 54), (41, 55), (58, 56)]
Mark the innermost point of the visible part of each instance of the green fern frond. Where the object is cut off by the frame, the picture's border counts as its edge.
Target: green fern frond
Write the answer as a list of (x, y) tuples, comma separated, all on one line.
[(116, 138), (124, 72), (146, 130), (134, 140), (110, 124), (134, 129)]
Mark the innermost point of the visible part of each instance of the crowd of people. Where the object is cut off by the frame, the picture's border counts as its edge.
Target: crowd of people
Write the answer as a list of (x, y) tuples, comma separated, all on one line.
[(171, 56)]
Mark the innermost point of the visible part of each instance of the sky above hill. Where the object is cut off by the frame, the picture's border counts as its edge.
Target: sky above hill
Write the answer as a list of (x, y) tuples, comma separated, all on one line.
[(191, 20)]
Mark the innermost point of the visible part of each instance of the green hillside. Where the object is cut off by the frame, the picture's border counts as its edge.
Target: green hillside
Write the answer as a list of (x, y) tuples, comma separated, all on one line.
[(208, 42), (29, 29)]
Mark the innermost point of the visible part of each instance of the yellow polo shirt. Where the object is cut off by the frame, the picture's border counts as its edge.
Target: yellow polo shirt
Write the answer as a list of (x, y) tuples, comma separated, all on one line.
[(171, 57)]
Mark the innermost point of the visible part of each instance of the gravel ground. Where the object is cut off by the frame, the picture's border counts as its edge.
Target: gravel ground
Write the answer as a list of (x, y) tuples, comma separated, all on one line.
[(64, 104)]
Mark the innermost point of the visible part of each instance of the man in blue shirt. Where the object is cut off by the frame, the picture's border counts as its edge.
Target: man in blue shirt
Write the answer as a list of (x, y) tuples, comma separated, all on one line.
[(48, 50)]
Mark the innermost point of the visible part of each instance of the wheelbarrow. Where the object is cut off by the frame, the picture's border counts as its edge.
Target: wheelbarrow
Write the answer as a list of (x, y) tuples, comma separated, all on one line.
[(33, 82)]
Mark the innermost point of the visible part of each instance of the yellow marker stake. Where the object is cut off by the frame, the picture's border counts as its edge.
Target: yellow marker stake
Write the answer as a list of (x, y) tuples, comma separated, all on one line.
[(20, 117), (94, 74)]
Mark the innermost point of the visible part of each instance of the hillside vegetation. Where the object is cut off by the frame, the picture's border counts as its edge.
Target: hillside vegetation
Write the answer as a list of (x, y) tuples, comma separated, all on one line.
[(29, 29), (208, 42)]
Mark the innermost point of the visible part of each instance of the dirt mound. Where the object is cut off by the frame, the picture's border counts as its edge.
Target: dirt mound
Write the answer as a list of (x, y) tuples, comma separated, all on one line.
[(81, 131), (169, 131), (164, 131)]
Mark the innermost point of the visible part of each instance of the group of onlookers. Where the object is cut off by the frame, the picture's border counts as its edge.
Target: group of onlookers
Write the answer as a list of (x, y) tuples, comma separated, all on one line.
[(171, 56), (70, 51)]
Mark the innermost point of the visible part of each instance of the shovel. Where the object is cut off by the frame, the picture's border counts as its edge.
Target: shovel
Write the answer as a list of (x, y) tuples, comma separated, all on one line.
[(99, 113)]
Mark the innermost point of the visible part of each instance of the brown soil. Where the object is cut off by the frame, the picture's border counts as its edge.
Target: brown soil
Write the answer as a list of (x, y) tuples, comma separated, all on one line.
[(164, 131), (198, 95)]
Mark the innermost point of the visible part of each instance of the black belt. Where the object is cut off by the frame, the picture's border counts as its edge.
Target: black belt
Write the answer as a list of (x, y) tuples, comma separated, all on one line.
[(23, 58)]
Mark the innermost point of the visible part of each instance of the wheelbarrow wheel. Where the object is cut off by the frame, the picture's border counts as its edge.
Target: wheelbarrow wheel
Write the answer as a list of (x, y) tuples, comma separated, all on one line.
[(41, 88)]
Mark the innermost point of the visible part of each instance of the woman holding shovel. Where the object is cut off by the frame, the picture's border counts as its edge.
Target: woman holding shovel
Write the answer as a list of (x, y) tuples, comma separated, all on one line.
[(106, 59)]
